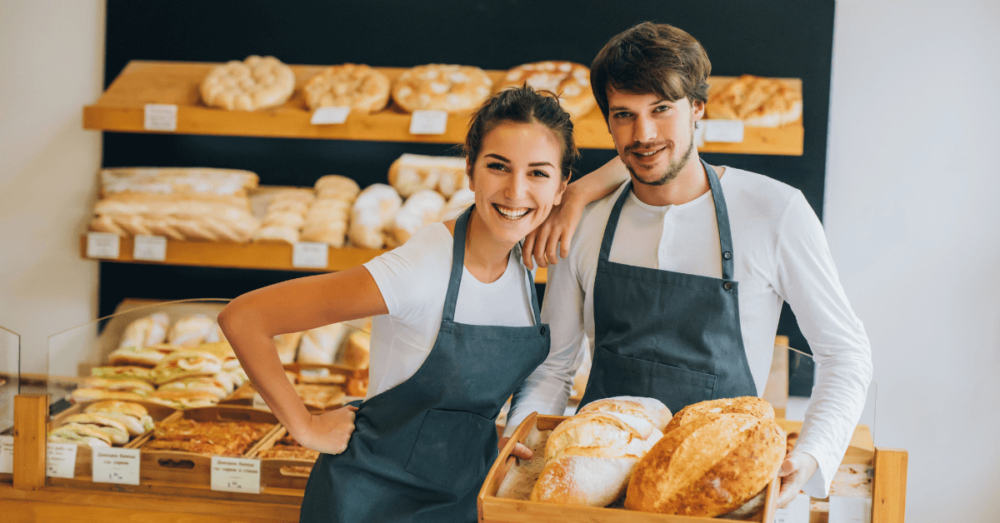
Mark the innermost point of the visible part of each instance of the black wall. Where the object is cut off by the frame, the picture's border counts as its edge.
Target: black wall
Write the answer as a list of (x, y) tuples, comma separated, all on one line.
[(783, 38)]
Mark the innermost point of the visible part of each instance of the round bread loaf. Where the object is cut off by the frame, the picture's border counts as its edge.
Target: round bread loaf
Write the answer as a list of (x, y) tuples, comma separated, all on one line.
[(255, 83), (570, 81), (440, 87), (751, 405), (708, 466), (357, 86)]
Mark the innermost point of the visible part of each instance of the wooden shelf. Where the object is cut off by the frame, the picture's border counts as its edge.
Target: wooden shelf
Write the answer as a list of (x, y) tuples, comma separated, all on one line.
[(268, 256), (121, 109)]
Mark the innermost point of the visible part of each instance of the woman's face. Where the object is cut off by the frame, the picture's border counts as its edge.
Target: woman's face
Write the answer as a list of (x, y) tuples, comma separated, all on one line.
[(516, 179)]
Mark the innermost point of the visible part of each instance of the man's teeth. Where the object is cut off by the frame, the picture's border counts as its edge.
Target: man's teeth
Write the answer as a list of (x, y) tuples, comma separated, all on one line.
[(651, 153), (511, 214)]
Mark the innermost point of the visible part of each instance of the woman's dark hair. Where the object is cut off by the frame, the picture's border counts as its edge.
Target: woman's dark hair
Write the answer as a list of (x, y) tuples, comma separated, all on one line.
[(651, 58), (523, 105)]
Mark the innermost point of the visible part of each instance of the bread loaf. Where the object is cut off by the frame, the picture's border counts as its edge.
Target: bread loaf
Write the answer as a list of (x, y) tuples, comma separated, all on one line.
[(459, 202), (373, 212), (356, 350), (639, 411), (413, 172), (327, 220), (320, 345), (708, 466), (145, 331), (255, 83), (421, 209), (751, 405), (337, 187), (287, 345)]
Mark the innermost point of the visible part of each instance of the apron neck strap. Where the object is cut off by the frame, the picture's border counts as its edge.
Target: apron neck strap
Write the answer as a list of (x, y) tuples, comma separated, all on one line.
[(721, 218), (458, 264)]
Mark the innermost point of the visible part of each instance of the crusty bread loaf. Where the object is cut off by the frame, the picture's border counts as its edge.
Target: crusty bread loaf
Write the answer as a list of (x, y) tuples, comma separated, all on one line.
[(414, 172), (420, 209), (356, 350), (459, 202), (357, 86), (649, 410), (441, 87), (751, 405), (708, 466), (320, 345), (373, 212), (255, 83)]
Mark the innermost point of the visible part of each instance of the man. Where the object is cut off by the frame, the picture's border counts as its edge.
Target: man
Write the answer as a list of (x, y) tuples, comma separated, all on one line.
[(678, 275)]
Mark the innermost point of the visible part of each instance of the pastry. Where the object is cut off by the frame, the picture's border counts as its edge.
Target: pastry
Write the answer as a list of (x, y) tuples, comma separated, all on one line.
[(413, 172), (145, 331), (255, 83), (420, 210), (373, 212), (438, 87), (759, 102), (570, 81), (357, 86)]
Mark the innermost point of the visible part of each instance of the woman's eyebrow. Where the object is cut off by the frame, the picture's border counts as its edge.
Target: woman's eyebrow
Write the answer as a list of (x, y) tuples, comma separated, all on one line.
[(538, 164), (498, 157)]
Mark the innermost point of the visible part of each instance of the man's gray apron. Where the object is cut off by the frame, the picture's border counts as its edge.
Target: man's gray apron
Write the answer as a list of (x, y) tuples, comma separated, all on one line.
[(421, 450), (668, 335)]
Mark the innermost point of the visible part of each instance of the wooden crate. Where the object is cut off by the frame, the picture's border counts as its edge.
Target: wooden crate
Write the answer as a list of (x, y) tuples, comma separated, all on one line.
[(84, 456), (275, 472), (497, 510), (193, 469)]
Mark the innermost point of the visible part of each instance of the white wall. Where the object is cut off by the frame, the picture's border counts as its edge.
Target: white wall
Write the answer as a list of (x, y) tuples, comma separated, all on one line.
[(51, 65), (912, 218)]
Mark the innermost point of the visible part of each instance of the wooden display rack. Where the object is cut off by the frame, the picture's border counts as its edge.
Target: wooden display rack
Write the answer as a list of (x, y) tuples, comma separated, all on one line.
[(122, 109), (257, 255)]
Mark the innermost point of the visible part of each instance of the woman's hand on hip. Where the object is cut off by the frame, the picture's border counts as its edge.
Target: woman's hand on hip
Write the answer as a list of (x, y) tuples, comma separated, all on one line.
[(329, 432)]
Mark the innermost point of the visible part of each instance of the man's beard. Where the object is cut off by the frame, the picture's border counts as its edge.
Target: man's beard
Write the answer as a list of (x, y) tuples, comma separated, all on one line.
[(673, 168)]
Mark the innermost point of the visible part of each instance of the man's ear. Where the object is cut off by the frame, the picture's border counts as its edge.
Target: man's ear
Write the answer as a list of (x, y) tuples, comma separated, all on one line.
[(697, 110), (468, 172)]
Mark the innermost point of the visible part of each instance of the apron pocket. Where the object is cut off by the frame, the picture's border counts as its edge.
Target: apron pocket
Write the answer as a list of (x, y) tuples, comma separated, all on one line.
[(674, 386), (450, 450)]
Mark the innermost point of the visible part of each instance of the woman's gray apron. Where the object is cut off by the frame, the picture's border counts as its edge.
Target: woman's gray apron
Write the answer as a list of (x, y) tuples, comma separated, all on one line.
[(668, 335), (421, 450)]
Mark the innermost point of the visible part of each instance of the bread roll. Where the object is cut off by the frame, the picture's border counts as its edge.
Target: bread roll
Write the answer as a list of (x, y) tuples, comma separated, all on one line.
[(421, 209), (191, 331), (287, 345), (459, 202), (373, 212), (84, 395), (124, 385), (86, 435), (115, 430), (708, 466), (751, 405), (413, 172), (320, 345), (145, 331), (334, 186), (356, 350)]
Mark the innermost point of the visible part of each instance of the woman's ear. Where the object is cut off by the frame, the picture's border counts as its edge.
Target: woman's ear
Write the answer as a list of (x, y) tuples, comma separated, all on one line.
[(468, 172), (562, 189)]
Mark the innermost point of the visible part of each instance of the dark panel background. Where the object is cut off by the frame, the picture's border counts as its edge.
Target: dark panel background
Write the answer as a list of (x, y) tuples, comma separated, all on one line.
[(783, 38)]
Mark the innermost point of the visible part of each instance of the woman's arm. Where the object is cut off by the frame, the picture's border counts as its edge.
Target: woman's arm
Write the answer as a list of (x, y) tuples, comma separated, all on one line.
[(251, 321), (561, 224)]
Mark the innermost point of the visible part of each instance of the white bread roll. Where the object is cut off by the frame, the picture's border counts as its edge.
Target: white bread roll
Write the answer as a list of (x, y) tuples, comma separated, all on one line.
[(459, 202), (334, 186), (373, 212), (320, 345), (413, 172), (145, 331), (635, 410), (420, 210), (191, 331)]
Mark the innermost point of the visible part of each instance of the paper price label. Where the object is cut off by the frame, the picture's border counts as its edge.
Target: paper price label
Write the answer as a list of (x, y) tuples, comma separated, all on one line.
[(114, 465), (235, 475), (728, 131), (796, 512), (60, 460), (149, 248), (6, 454), (160, 117), (102, 245), (330, 115), (850, 510), (310, 255), (429, 122)]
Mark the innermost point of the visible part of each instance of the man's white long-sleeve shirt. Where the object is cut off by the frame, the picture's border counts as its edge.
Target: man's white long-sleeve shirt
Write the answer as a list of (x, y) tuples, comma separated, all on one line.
[(780, 254)]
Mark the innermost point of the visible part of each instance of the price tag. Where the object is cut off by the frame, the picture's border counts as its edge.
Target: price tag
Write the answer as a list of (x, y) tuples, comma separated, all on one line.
[(796, 512), (258, 402), (102, 245), (845, 509), (235, 475), (60, 460), (728, 131), (160, 117), (6, 454), (310, 255), (428, 122), (330, 115), (149, 248), (115, 465)]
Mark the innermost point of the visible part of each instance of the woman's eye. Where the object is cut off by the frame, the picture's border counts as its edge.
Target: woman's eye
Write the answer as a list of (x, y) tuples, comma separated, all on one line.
[(496, 166), (541, 174)]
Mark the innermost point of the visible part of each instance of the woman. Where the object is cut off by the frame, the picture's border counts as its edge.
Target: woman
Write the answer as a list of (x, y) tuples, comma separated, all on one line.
[(456, 330)]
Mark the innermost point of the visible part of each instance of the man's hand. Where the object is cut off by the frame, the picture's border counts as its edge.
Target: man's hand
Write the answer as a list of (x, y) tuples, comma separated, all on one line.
[(556, 230), (329, 432), (519, 449), (795, 471)]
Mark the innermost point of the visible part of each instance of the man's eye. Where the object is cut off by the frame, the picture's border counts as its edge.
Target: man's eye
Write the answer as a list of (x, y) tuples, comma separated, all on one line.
[(622, 115), (661, 108)]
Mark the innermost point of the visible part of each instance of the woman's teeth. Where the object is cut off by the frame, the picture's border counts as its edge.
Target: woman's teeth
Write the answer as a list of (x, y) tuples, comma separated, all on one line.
[(511, 214)]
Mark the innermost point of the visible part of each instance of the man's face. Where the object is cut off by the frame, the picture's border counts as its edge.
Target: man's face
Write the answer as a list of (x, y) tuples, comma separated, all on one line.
[(654, 137)]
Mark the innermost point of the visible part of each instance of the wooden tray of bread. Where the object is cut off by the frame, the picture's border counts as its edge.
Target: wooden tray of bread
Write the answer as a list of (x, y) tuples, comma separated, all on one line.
[(493, 508), (108, 417), (181, 447), (283, 462)]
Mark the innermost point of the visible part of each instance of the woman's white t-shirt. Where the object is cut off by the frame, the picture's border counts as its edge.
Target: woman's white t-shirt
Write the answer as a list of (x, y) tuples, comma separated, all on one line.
[(413, 280)]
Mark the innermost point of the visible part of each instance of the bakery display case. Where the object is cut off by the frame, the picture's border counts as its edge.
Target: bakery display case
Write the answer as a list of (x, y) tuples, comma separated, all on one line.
[(10, 381), (565, 483)]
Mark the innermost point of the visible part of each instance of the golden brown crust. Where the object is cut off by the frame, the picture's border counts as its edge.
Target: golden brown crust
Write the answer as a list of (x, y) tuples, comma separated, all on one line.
[(223, 438), (751, 405), (320, 396), (571, 81), (649, 409), (708, 467), (441, 87), (357, 86), (255, 83), (759, 102)]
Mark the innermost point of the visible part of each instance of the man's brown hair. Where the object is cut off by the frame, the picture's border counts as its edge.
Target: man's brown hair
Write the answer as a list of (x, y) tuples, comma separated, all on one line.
[(651, 58)]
